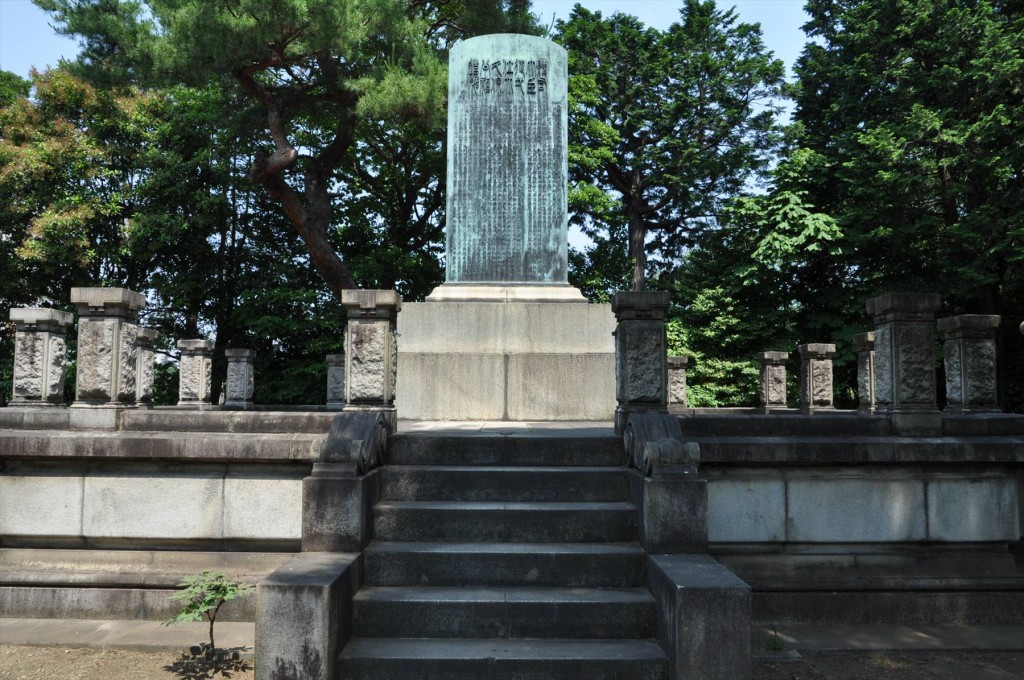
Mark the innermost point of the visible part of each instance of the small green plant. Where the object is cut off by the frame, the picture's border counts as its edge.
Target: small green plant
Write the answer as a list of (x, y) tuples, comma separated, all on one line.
[(203, 596), (775, 642)]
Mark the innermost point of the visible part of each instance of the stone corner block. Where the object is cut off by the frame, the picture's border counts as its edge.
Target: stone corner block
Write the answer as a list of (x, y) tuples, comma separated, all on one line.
[(32, 318), (99, 300), (704, 616), (195, 345), (640, 305), (371, 302), (303, 616)]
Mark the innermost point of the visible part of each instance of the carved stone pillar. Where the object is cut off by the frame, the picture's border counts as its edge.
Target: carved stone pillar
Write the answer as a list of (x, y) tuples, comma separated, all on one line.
[(677, 381), (773, 379), (371, 351), (241, 379), (107, 346), (865, 343), (969, 351), (144, 384), (816, 376), (905, 352), (336, 380), (194, 381), (40, 355), (641, 369)]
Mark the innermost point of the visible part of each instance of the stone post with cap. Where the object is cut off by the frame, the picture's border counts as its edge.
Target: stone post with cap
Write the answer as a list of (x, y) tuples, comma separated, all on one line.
[(40, 355)]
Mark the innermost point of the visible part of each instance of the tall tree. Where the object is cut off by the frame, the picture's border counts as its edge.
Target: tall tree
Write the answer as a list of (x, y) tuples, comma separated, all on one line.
[(916, 110), (668, 124)]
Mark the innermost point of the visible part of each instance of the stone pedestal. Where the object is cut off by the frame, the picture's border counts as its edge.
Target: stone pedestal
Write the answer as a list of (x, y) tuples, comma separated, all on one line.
[(677, 381), (40, 355), (865, 343), (336, 380), (773, 379), (144, 366), (506, 361), (904, 352), (107, 346), (969, 351), (641, 371), (371, 351), (241, 379), (194, 374), (816, 377)]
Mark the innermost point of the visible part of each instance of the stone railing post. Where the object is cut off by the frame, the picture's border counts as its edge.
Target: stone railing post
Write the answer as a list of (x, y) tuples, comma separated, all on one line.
[(371, 351), (865, 343), (241, 381), (145, 357), (107, 346), (773, 380), (194, 379), (969, 351), (40, 355), (677, 381), (816, 376), (336, 380), (905, 352), (641, 369)]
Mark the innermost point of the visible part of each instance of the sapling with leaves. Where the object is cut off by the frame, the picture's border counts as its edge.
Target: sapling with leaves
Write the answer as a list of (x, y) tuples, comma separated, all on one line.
[(204, 595)]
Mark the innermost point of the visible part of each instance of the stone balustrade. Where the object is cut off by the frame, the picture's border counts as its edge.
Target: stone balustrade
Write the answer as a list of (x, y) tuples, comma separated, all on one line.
[(865, 343), (371, 351), (904, 352), (40, 355), (969, 351), (107, 346), (816, 376), (677, 381), (773, 380), (641, 380), (241, 381), (194, 373)]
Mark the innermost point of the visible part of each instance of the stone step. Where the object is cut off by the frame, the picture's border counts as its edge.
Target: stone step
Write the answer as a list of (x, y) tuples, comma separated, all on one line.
[(519, 612), (567, 565), (526, 484), (426, 659), (513, 522), (496, 450)]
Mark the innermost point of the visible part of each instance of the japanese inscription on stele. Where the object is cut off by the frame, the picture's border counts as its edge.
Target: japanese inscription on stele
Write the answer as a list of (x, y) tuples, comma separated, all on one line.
[(507, 161)]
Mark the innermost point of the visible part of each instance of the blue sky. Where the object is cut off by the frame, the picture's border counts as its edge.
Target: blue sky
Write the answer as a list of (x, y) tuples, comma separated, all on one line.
[(26, 40)]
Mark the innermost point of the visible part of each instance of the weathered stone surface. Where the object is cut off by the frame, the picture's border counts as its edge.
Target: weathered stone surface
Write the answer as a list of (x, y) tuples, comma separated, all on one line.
[(371, 347), (816, 376), (973, 509), (145, 359), (258, 506), (677, 381), (154, 505), (856, 510), (39, 356), (970, 361), (41, 505), (335, 379), (56, 360), (194, 374), (95, 368), (773, 379), (746, 510), (29, 355), (865, 343), (904, 352), (641, 373), (507, 161), (240, 384), (107, 353)]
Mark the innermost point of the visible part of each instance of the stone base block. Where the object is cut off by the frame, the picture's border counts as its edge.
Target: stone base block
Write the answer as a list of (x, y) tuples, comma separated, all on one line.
[(506, 387), (303, 616), (673, 513), (703, 617), (454, 292), (506, 361), (337, 512)]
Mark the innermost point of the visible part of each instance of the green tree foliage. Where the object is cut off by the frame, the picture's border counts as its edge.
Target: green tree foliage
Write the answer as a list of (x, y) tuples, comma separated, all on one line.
[(915, 112), (665, 125)]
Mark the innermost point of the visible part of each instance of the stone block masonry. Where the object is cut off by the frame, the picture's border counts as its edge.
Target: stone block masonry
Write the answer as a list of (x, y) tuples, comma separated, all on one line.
[(107, 346), (40, 356)]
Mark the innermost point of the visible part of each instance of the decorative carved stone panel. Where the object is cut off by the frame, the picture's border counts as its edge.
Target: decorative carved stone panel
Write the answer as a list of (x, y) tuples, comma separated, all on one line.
[(95, 359)]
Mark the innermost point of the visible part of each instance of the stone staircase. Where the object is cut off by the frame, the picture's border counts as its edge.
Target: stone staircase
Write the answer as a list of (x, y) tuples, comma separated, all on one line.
[(504, 557)]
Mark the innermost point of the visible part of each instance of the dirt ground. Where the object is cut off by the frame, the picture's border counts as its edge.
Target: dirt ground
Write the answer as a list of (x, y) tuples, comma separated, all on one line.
[(45, 663)]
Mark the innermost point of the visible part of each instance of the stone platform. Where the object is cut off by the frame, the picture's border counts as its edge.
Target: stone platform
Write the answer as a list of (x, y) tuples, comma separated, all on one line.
[(506, 361)]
